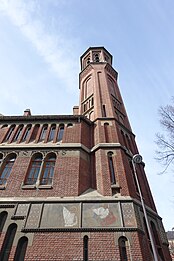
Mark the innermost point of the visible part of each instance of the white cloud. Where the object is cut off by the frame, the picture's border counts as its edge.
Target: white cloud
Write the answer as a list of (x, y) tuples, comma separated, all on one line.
[(55, 49)]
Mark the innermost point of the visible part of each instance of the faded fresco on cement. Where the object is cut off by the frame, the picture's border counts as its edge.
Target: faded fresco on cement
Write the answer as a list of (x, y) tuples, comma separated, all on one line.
[(101, 215), (60, 216)]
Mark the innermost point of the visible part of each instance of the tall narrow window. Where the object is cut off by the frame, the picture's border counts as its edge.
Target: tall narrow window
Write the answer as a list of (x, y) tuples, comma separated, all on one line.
[(155, 233), (1, 157), (3, 217), (88, 60), (6, 169), (133, 175), (8, 242), (52, 132), (18, 133), (106, 130), (85, 248), (60, 132), (122, 248), (111, 168), (48, 170), (124, 139), (35, 132), (43, 132), (27, 133), (34, 170), (9, 133), (92, 101), (21, 249), (104, 111), (97, 58)]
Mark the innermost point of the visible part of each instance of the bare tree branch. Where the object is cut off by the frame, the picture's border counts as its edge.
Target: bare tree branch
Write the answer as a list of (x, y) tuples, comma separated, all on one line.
[(165, 143)]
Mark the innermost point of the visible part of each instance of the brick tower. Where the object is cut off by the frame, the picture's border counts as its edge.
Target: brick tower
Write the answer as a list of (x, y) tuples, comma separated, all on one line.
[(67, 183)]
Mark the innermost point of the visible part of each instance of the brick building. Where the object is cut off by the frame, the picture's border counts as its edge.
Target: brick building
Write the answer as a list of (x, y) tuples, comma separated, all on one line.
[(67, 185)]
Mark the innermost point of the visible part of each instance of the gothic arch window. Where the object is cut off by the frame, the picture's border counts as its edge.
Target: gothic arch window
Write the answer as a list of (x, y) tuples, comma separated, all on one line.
[(155, 233), (85, 248), (69, 125), (18, 133), (6, 168), (34, 169), (91, 115), (88, 60), (128, 141), (43, 132), (10, 132), (21, 249), (4, 126), (122, 248), (48, 170), (111, 168), (92, 101), (8, 242), (124, 139), (133, 175), (60, 132), (52, 132), (96, 57), (3, 217), (1, 157), (35, 132), (27, 132), (106, 130)]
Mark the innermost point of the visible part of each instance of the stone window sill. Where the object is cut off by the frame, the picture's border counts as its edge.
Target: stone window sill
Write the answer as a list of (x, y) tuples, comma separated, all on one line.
[(28, 186), (45, 186)]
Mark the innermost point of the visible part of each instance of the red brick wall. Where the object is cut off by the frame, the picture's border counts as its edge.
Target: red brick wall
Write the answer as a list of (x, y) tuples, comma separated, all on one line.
[(60, 246)]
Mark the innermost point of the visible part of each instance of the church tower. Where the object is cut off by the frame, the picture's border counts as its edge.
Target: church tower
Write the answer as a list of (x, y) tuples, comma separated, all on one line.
[(69, 187)]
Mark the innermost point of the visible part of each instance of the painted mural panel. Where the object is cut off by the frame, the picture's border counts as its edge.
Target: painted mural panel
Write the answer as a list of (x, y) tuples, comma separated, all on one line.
[(60, 216), (101, 215)]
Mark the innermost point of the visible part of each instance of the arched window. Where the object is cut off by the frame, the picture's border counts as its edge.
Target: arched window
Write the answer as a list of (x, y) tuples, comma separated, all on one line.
[(52, 132), (3, 217), (122, 248), (27, 133), (48, 170), (106, 130), (43, 133), (34, 170), (9, 133), (8, 242), (1, 157), (60, 132), (92, 101), (97, 58), (6, 168), (111, 168), (133, 175), (124, 139), (18, 133), (35, 132), (21, 249), (69, 125), (85, 248), (155, 233), (88, 60)]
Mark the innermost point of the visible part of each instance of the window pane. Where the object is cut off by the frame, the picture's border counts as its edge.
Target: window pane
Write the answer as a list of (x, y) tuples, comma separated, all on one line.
[(48, 171), (52, 133), (6, 171), (33, 172), (60, 133)]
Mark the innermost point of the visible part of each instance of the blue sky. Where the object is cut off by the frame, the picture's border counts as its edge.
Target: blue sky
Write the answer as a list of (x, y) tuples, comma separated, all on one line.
[(42, 40)]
